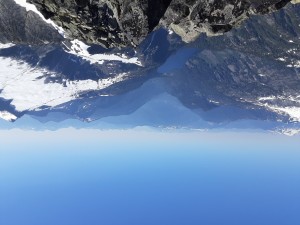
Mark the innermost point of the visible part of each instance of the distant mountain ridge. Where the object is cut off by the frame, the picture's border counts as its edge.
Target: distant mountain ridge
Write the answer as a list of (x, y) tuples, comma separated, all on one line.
[(251, 73)]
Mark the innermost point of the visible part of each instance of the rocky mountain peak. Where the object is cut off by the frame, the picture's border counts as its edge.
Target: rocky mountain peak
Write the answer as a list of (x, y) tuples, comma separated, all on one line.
[(120, 23)]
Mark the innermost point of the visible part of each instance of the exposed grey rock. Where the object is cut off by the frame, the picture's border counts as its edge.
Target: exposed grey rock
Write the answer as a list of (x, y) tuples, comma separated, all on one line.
[(190, 18), (111, 23), (119, 23), (19, 26)]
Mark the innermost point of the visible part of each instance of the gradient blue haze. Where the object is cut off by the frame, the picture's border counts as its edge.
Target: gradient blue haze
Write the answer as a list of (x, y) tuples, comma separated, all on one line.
[(86, 177)]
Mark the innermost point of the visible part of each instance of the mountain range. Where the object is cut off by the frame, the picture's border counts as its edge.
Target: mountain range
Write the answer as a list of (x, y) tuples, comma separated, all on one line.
[(207, 65)]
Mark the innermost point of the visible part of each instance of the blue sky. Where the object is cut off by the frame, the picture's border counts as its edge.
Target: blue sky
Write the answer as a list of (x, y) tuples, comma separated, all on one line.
[(79, 177)]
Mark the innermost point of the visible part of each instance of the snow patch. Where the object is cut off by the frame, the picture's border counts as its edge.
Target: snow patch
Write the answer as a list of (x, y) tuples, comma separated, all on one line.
[(29, 90), (295, 64), (273, 103), (7, 116), (7, 45), (213, 101), (81, 49), (261, 75), (266, 98), (289, 132), (293, 112), (282, 59)]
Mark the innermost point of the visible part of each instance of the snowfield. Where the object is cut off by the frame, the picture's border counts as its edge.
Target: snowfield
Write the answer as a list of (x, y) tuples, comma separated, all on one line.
[(28, 89)]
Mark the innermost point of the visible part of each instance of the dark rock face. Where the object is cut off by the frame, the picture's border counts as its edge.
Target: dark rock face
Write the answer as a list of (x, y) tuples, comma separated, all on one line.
[(119, 23), (19, 26), (116, 23), (190, 18)]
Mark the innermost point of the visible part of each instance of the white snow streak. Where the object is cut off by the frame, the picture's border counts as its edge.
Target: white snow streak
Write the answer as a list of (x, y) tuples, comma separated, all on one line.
[(31, 7), (7, 45), (79, 48)]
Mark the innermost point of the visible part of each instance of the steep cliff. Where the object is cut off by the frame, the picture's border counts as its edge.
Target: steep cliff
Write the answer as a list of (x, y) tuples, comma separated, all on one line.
[(20, 26), (190, 18), (119, 23), (111, 23)]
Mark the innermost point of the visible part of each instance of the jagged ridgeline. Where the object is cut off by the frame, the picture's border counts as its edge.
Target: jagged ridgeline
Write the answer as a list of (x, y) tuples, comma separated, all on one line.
[(111, 23), (120, 23)]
